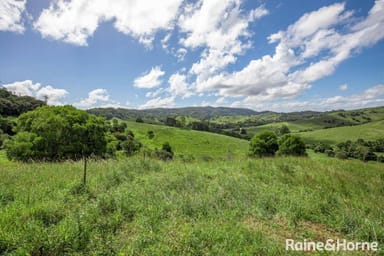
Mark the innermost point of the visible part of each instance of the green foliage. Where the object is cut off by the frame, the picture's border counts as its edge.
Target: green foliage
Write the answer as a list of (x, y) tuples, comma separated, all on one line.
[(150, 134), (280, 131), (263, 144), (130, 145), (13, 105), (165, 153), (57, 133), (291, 145)]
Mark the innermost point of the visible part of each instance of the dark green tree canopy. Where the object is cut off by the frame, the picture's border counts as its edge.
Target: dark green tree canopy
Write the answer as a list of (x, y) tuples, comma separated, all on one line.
[(263, 144), (57, 133), (291, 145)]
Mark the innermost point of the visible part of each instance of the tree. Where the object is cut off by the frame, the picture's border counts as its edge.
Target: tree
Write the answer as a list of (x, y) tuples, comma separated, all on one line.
[(165, 153), (56, 134), (291, 145), (282, 130), (263, 144)]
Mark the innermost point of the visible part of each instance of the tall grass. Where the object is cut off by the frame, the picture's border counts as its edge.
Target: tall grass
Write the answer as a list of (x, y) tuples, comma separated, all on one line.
[(238, 207)]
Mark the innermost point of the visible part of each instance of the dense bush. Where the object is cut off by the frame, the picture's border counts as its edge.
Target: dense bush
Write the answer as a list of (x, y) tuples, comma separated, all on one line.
[(263, 144), (291, 145), (57, 133), (165, 153)]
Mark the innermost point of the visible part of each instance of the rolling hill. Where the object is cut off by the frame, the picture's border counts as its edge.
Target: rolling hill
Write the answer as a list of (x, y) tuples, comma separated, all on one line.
[(369, 131), (188, 142)]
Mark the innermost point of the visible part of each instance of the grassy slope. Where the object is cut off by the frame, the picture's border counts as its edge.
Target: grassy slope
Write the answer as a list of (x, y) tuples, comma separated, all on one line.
[(240, 207), (369, 131), (294, 127), (189, 142)]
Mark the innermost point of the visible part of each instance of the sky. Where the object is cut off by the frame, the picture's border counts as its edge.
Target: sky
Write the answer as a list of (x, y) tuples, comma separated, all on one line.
[(283, 56)]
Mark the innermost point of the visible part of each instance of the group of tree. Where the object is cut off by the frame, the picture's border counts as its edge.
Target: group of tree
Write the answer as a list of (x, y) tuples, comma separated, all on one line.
[(13, 105), (267, 143), (359, 149), (59, 133)]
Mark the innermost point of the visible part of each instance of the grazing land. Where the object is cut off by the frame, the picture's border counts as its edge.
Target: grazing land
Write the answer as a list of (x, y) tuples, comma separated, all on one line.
[(152, 207)]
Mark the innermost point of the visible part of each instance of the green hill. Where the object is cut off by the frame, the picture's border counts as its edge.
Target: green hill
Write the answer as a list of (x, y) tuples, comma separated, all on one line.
[(368, 131), (189, 142)]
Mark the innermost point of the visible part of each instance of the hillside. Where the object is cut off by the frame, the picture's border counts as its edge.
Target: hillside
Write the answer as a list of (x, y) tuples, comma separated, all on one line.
[(201, 113), (13, 105), (369, 131), (188, 142)]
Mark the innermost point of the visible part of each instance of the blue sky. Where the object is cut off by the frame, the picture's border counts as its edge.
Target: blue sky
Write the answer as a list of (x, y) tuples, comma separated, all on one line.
[(263, 55)]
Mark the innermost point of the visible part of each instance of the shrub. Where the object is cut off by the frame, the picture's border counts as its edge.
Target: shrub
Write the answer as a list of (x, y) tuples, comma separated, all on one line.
[(165, 153), (341, 154), (150, 134), (291, 145), (263, 144)]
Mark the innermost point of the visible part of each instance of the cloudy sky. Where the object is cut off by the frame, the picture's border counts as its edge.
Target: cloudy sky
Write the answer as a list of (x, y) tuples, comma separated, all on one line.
[(265, 55)]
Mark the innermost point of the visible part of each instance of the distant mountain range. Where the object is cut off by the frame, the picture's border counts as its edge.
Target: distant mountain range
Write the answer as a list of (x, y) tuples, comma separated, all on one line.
[(201, 113)]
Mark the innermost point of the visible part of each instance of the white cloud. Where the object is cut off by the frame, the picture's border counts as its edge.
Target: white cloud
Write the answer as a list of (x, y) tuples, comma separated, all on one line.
[(150, 79), (371, 97), (53, 95), (28, 88), (155, 93), (178, 86), (74, 21), (159, 103), (23, 88), (219, 26), (94, 97), (343, 87), (11, 12), (308, 50)]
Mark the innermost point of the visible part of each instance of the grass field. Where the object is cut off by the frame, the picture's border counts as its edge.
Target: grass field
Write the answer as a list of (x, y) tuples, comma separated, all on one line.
[(369, 131), (189, 142), (239, 207)]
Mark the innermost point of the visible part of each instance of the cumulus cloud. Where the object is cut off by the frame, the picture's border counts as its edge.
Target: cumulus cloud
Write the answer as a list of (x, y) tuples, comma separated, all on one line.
[(11, 15), (178, 86), (74, 21), (371, 97), (150, 79), (219, 26), (94, 97), (308, 50), (159, 103), (28, 88)]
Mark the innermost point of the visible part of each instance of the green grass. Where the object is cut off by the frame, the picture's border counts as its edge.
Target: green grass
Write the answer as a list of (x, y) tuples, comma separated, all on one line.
[(189, 142), (369, 131), (239, 207), (294, 127)]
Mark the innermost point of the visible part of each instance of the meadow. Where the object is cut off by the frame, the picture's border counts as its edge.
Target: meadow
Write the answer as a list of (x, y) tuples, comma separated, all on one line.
[(149, 207), (369, 131), (190, 143)]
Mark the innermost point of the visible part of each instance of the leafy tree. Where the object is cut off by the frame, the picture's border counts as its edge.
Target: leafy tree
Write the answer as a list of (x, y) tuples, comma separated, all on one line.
[(170, 121), (56, 134), (139, 120), (130, 145), (282, 130), (263, 144), (291, 145)]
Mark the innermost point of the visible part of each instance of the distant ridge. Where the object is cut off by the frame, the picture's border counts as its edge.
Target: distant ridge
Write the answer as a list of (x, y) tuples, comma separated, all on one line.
[(195, 112)]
